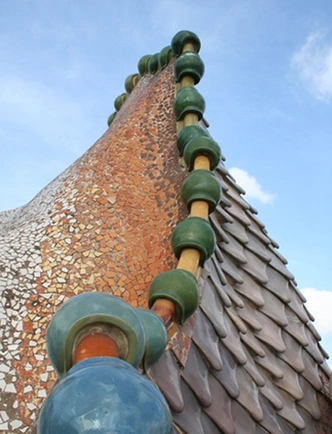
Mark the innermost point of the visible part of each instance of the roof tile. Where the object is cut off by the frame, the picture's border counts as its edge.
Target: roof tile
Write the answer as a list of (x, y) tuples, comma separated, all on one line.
[(232, 270), (270, 421), (227, 376), (270, 333), (236, 299), (237, 230), (255, 219), (290, 381), (239, 213), (271, 393), (274, 309), (189, 419), (255, 267), (278, 265), (167, 375), (293, 353), (274, 249), (242, 420), (196, 375), (309, 423), (255, 246), (259, 232), (270, 363), (314, 331), (289, 411), (309, 401), (233, 194), (220, 400), (232, 181), (233, 342), (286, 428), (278, 285), (208, 425), (253, 343), (251, 289), (248, 314), (218, 253), (295, 327), (310, 372), (215, 270), (213, 308), (296, 304), (207, 340), (249, 394), (234, 249), (240, 325), (252, 370), (218, 227), (312, 348), (226, 217)]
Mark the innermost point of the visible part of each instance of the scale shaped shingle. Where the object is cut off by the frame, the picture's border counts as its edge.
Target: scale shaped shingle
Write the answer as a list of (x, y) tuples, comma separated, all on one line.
[(254, 341)]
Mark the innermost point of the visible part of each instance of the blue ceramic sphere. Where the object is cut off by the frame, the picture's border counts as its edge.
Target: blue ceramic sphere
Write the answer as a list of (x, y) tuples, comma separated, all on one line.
[(104, 395)]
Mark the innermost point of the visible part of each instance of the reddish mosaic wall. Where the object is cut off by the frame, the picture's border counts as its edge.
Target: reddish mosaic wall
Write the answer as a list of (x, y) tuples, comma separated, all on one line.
[(105, 224)]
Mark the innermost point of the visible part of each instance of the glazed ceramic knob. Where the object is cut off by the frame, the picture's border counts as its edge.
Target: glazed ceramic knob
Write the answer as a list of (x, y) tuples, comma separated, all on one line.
[(165, 57), (201, 185), (104, 395), (194, 233), (189, 64), (153, 64), (204, 146), (91, 308), (179, 286), (155, 336), (181, 39), (189, 100), (119, 101), (130, 82), (111, 118), (143, 64), (188, 133)]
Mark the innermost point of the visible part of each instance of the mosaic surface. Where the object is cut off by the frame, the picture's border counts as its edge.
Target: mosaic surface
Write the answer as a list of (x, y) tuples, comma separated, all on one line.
[(105, 224), (248, 362)]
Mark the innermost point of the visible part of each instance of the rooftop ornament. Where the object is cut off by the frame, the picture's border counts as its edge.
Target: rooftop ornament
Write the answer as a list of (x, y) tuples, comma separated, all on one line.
[(97, 342)]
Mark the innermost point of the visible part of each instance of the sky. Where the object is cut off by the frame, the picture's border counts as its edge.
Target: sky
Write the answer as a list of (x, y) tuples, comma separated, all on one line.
[(267, 87)]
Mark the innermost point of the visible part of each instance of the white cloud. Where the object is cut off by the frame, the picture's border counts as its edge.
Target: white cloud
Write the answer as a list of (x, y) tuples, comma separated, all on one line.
[(253, 189), (312, 64), (319, 304)]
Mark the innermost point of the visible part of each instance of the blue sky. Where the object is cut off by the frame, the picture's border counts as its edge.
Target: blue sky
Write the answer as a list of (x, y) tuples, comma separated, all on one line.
[(267, 86)]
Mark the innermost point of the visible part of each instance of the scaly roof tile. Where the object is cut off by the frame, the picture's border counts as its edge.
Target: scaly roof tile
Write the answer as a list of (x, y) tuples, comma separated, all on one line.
[(196, 375), (207, 340), (249, 394), (220, 400)]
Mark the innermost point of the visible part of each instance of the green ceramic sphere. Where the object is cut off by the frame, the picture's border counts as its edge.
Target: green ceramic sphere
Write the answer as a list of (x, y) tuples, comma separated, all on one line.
[(188, 100), (201, 185), (153, 64), (189, 64), (155, 335), (143, 64), (181, 39), (119, 101), (131, 82), (194, 233), (202, 146), (165, 57), (111, 118), (188, 133), (86, 309), (180, 287)]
